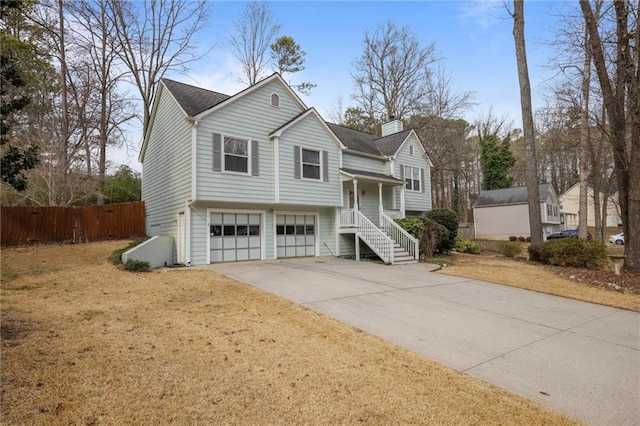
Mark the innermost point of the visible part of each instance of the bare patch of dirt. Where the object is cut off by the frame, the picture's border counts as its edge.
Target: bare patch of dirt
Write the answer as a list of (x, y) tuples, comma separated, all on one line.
[(88, 343)]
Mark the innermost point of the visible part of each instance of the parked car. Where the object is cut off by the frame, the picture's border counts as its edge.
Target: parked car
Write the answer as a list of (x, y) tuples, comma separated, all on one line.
[(617, 239), (567, 233)]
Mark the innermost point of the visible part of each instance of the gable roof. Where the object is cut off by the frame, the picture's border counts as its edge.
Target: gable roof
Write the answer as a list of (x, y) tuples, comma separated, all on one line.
[(355, 139), (507, 196), (193, 100), (367, 143), (197, 102), (310, 112)]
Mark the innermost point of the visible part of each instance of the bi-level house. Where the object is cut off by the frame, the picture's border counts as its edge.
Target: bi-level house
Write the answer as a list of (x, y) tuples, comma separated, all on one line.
[(259, 175)]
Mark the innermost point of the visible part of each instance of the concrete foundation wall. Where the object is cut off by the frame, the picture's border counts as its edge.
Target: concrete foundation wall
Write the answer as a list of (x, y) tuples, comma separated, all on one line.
[(158, 251)]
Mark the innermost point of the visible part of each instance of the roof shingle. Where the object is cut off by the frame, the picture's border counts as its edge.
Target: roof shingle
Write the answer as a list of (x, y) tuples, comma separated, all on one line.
[(513, 195), (193, 99)]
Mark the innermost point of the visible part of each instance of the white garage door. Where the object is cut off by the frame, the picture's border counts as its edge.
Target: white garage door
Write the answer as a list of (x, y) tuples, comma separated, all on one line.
[(235, 237), (295, 235)]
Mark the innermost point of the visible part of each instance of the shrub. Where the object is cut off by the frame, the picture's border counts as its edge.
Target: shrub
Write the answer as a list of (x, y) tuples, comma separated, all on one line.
[(134, 265), (429, 233), (466, 246), (449, 219), (521, 239), (509, 248), (412, 225), (513, 238), (116, 255), (576, 252), (528, 239)]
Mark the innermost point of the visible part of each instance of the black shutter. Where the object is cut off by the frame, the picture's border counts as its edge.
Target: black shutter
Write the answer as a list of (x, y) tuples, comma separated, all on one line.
[(325, 166), (296, 162), (255, 158), (217, 152)]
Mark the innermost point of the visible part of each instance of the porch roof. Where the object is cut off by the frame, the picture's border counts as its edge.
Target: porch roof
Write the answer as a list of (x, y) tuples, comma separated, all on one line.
[(371, 176)]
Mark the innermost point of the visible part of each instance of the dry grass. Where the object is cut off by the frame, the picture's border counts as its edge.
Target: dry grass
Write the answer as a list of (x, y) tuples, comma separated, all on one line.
[(86, 343), (522, 274)]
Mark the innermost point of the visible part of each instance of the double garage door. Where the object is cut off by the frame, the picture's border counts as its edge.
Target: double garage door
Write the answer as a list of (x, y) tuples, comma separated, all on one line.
[(237, 236)]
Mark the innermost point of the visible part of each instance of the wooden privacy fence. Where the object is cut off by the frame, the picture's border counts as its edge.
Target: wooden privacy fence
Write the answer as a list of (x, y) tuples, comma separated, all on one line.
[(37, 225)]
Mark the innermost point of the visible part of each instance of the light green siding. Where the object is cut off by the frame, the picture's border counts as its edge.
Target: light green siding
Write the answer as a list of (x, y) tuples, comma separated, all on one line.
[(310, 134), (250, 117), (414, 201), (166, 167), (350, 161)]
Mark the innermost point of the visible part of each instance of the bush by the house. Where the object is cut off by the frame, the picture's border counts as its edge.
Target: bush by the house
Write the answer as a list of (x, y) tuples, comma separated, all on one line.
[(466, 246), (513, 238), (116, 255), (449, 219), (429, 233), (577, 252), (521, 239), (134, 265), (509, 248)]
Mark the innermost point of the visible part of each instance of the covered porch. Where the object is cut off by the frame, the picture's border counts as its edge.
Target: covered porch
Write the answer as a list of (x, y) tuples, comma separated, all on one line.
[(373, 195), (372, 203)]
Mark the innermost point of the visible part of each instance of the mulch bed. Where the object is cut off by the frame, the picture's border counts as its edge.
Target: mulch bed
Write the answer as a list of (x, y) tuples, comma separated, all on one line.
[(624, 283)]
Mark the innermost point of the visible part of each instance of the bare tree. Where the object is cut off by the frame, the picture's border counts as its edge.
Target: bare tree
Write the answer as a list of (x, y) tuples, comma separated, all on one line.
[(94, 30), (156, 36), (392, 75), (620, 84), (535, 221), (255, 30)]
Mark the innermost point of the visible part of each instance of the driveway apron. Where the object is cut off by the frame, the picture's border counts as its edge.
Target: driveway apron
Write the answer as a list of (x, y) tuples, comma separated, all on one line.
[(578, 358)]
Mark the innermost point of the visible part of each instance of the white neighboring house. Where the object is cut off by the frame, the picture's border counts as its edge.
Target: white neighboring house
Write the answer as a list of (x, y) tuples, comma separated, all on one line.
[(259, 175), (570, 207), (501, 213)]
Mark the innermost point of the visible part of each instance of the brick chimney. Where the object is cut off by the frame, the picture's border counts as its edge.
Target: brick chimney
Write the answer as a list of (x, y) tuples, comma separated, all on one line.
[(392, 126)]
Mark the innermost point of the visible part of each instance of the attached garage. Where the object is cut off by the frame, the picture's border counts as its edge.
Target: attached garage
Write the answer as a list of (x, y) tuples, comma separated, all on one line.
[(296, 235), (235, 236)]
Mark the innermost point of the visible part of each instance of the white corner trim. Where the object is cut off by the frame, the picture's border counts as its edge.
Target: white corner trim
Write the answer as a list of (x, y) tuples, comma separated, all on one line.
[(194, 161), (276, 169)]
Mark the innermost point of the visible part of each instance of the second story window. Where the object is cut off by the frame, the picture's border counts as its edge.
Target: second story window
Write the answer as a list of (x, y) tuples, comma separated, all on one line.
[(236, 155), (310, 164), (412, 178), (411, 150)]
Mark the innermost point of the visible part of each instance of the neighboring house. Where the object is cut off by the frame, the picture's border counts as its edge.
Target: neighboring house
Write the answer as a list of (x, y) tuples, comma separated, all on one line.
[(570, 206), (259, 175), (501, 213)]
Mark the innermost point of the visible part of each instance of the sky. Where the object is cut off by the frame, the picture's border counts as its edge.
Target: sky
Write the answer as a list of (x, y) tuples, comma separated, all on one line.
[(473, 40)]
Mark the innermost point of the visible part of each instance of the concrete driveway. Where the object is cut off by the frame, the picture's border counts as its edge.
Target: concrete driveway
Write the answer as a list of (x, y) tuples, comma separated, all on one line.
[(575, 357)]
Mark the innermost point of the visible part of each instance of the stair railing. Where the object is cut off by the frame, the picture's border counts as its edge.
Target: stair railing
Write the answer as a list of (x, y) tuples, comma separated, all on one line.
[(407, 241), (379, 242)]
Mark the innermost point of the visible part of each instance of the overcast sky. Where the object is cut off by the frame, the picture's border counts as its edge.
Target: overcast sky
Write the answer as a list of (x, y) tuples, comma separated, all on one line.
[(473, 38)]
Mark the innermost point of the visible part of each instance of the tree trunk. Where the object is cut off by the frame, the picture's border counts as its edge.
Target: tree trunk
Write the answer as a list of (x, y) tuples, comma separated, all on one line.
[(535, 219), (584, 140), (625, 76)]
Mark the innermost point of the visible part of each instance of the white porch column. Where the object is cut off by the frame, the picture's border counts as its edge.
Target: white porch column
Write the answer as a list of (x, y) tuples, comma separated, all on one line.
[(402, 214), (355, 194), (380, 208)]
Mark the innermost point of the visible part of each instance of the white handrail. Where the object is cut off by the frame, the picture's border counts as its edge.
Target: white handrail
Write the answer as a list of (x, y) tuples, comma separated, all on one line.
[(347, 218), (380, 243), (402, 237)]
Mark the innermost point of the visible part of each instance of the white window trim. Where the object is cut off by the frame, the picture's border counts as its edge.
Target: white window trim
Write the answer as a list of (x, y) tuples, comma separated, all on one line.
[(321, 178), (411, 168), (223, 155)]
